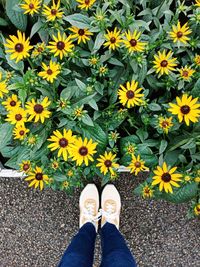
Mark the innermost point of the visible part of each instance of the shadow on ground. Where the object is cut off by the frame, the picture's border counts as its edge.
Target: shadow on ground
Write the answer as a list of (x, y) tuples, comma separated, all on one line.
[(35, 227)]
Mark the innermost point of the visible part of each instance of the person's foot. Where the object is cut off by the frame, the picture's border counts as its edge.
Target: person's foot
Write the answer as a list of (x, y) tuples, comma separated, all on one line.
[(110, 205), (89, 205)]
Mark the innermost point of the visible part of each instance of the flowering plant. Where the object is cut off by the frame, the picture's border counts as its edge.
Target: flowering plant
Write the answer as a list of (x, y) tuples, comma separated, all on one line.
[(87, 86)]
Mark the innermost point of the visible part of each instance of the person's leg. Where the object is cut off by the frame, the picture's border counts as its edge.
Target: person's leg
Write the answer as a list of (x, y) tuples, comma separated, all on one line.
[(115, 252), (81, 250)]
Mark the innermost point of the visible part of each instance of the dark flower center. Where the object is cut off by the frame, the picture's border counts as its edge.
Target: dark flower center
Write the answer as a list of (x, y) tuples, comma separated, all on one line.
[(164, 63), (87, 2), (81, 32), (26, 167), (63, 142), (18, 117), (179, 34), (166, 177), (83, 151), (53, 12), (38, 108), (108, 163), (185, 73), (198, 209), (185, 109), (147, 190), (130, 94), (137, 164), (112, 40), (12, 103), (165, 124), (133, 42), (19, 47), (49, 72), (60, 45), (21, 132), (39, 176), (31, 6), (40, 49)]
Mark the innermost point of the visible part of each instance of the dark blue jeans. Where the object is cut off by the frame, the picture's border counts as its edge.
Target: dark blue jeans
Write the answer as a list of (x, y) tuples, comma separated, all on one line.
[(115, 252)]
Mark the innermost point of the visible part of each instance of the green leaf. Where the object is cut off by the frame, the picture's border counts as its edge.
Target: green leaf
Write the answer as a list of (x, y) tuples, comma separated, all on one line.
[(116, 62), (18, 19), (87, 120), (78, 20), (5, 134), (196, 89), (171, 157), (143, 135), (14, 65), (183, 194), (98, 42), (36, 27), (83, 101), (92, 103), (154, 107), (3, 22), (80, 84), (163, 146)]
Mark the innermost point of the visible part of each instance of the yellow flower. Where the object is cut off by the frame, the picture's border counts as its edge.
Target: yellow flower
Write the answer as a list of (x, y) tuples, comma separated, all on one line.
[(197, 179), (186, 72), (147, 192), (187, 178), (53, 12), (165, 124), (113, 39), (38, 110), (55, 164), (186, 109), (179, 33), (20, 132), (137, 165), (61, 45), (11, 102), (37, 178), (132, 42), (61, 142), (78, 112), (93, 61), (81, 34), (164, 63), (107, 162), (32, 140), (82, 151), (197, 60), (130, 95), (85, 4), (166, 178), (50, 72), (18, 47), (25, 166), (17, 116), (3, 87), (197, 3), (38, 50), (197, 210), (65, 185), (70, 173), (31, 6)]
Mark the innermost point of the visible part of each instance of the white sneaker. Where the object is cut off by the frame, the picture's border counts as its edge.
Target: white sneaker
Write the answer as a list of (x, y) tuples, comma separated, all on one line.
[(110, 205), (89, 206)]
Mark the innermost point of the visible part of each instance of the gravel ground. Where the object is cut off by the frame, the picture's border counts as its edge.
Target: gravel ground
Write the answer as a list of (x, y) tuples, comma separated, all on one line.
[(36, 227)]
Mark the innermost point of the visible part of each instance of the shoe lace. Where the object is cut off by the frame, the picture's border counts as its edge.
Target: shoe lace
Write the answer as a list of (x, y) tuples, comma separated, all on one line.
[(109, 213), (88, 212)]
